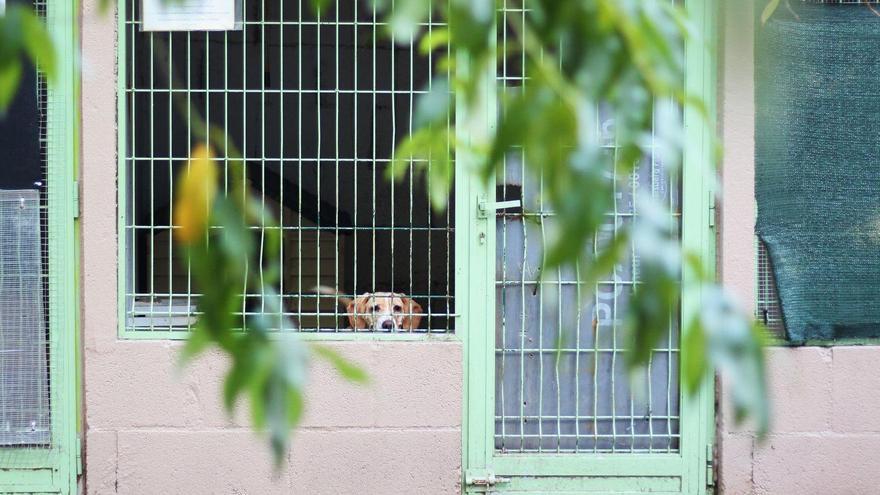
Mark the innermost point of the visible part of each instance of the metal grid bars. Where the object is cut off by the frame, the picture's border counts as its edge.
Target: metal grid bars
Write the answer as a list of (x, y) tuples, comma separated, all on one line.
[(768, 310), (561, 380), (24, 385), (316, 104)]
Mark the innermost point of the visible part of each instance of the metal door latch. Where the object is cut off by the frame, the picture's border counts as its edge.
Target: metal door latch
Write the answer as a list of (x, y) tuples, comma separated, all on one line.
[(487, 480), (484, 206)]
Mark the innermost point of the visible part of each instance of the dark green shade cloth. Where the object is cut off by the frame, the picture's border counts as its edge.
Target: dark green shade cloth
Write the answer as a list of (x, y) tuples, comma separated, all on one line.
[(817, 177)]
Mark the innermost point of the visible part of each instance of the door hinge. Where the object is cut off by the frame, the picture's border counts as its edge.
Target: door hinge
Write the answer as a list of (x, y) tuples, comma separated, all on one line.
[(75, 199), (710, 466), (712, 209), (79, 463), (484, 479), (484, 207)]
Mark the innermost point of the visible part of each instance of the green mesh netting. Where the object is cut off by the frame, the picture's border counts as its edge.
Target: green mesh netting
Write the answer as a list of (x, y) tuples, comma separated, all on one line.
[(818, 167)]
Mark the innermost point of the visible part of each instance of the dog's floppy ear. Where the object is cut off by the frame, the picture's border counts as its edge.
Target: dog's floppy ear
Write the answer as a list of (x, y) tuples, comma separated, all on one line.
[(355, 309), (413, 314)]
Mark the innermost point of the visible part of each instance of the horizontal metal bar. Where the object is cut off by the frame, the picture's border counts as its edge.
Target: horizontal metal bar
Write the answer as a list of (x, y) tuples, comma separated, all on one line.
[(526, 350), (327, 23), (308, 335), (587, 418), (581, 464), (260, 91)]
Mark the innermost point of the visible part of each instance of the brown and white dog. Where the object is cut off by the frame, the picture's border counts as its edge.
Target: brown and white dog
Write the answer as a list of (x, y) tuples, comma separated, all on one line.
[(384, 312), (380, 311)]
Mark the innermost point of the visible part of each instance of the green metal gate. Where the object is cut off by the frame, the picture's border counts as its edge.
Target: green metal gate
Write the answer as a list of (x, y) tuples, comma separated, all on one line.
[(38, 433), (547, 419)]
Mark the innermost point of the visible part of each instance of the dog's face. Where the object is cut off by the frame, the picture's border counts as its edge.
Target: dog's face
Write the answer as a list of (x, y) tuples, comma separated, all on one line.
[(384, 312)]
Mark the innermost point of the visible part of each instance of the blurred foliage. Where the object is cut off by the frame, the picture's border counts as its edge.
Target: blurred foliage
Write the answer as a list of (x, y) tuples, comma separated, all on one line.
[(232, 243), (24, 43), (623, 56), (587, 60)]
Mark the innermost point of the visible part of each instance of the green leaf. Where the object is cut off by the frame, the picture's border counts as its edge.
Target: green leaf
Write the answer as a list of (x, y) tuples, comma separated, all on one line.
[(693, 356), (433, 107), (38, 44), (319, 6), (436, 38), (405, 19), (349, 370), (734, 345), (769, 10), (197, 342), (10, 75)]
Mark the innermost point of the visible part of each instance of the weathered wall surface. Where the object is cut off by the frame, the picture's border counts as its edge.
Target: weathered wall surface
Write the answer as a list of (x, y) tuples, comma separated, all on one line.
[(826, 431), (151, 429)]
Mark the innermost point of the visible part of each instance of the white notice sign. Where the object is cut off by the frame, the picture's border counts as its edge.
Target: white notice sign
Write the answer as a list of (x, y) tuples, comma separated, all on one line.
[(190, 15)]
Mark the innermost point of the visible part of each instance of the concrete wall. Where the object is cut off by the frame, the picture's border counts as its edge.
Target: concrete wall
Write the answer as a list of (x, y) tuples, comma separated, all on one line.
[(152, 430), (826, 427)]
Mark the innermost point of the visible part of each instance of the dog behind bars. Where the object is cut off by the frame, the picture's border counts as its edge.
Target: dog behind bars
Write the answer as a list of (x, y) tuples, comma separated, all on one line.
[(379, 311)]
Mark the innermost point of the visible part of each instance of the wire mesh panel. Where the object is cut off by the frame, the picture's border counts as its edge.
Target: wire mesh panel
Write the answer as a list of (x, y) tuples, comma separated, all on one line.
[(561, 380), (24, 390), (316, 104)]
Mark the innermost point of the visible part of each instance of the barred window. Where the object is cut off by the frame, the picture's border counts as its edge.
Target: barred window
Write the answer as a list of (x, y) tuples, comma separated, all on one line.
[(316, 104)]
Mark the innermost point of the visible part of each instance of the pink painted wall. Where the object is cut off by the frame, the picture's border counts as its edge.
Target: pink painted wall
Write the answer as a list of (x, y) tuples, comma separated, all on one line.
[(150, 429), (825, 433)]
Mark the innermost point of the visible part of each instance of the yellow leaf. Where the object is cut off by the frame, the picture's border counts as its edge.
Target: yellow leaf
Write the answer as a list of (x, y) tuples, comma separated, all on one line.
[(769, 10), (195, 195)]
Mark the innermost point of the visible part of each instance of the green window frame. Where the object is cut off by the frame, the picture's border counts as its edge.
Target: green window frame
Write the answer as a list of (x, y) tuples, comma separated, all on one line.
[(54, 468), (127, 89)]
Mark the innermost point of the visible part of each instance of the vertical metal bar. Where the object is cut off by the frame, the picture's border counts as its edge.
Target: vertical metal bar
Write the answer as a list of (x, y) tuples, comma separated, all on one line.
[(244, 145), (428, 210), (356, 158), (614, 327), (318, 158), (151, 228), (635, 180), (411, 178), (170, 183), (502, 288), (559, 341), (299, 126), (337, 199), (131, 221), (189, 305), (374, 163), (282, 165), (392, 49), (263, 157)]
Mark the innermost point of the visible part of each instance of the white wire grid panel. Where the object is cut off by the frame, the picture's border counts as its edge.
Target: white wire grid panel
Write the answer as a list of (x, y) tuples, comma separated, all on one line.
[(317, 105), (575, 397), (768, 310), (24, 387)]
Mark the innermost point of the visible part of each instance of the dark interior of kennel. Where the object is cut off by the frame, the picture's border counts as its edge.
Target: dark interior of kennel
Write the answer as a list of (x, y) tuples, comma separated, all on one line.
[(316, 108)]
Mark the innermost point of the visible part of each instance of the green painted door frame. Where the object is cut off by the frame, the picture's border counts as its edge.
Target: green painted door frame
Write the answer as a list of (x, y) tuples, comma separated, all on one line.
[(54, 469), (688, 471)]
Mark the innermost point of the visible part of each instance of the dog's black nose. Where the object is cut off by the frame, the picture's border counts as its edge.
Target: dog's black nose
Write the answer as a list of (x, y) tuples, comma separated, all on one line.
[(387, 325)]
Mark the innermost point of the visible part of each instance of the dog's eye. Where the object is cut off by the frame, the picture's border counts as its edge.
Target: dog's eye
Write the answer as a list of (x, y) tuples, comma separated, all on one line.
[(398, 309), (375, 308)]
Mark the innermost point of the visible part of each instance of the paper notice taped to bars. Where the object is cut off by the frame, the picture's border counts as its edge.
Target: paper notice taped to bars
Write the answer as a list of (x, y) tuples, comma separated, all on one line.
[(191, 15)]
